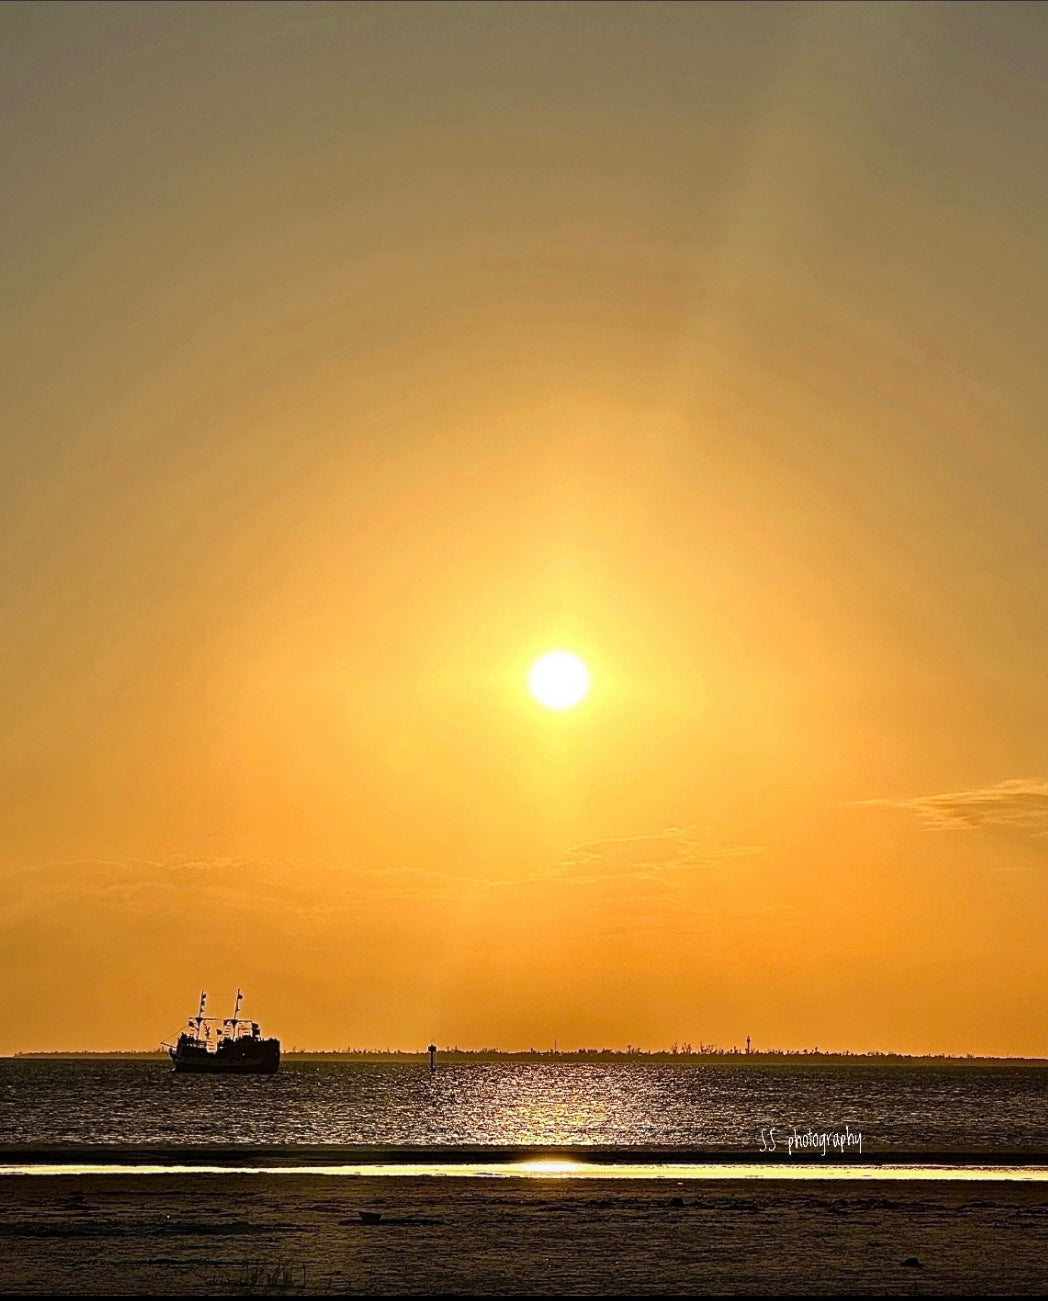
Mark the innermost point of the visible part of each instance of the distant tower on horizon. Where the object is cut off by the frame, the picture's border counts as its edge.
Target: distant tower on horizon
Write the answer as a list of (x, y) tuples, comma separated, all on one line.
[(747, 1045)]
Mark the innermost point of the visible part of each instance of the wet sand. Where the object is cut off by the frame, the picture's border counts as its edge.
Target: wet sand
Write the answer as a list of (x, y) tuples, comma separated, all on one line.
[(223, 1234)]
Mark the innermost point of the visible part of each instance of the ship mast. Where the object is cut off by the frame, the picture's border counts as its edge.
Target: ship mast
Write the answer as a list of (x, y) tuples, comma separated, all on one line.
[(234, 1020), (198, 1020)]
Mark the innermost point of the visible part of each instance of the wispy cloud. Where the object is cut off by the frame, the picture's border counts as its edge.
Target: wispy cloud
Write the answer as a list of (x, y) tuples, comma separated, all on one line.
[(278, 884), (1021, 803), (648, 857)]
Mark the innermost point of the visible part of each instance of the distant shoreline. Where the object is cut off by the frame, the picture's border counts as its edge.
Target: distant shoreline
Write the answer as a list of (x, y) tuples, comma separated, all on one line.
[(465, 1057)]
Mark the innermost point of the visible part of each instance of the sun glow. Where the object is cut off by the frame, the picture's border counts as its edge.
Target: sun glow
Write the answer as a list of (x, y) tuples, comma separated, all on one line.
[(546, 1165), (559, 680)]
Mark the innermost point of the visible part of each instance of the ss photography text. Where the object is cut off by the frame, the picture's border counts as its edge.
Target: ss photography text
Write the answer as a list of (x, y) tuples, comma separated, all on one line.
[(828, 1142)]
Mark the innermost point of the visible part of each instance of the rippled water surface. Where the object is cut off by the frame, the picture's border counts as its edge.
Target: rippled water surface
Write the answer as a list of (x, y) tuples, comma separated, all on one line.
[(524, 1103)]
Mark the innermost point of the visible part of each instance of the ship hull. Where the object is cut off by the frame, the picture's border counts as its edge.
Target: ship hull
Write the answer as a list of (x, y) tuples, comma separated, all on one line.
[(262, 1058), (225, 1068)]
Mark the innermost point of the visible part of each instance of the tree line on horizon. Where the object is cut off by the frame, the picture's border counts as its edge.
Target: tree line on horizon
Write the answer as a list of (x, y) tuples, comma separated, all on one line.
[(631, 1052)]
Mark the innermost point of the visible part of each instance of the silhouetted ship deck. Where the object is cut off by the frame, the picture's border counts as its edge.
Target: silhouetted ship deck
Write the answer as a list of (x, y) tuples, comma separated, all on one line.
[(236, 1049)]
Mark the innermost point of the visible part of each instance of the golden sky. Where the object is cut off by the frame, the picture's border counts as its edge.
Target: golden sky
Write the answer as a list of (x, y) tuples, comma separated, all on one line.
[(356, 355)]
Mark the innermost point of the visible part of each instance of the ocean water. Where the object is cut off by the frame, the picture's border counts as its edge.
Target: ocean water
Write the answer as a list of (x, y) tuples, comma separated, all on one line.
[(685, 1107)]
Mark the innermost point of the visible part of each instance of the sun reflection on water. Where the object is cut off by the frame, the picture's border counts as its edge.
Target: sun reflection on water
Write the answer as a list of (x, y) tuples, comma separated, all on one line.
[(564, 1168), (548, 1165)]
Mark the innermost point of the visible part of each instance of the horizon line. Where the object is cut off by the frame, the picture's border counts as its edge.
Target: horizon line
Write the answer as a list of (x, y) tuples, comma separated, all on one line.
[(631, 1052)]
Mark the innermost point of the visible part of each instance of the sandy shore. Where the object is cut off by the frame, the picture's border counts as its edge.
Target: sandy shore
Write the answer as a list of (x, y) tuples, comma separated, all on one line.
[(227, 1234)]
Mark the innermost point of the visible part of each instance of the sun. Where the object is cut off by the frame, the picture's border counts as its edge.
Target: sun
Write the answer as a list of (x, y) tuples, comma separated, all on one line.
[(559, 680)]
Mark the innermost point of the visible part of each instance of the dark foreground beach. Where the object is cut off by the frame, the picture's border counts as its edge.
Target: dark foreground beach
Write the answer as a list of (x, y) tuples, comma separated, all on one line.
[(225, 1233)]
